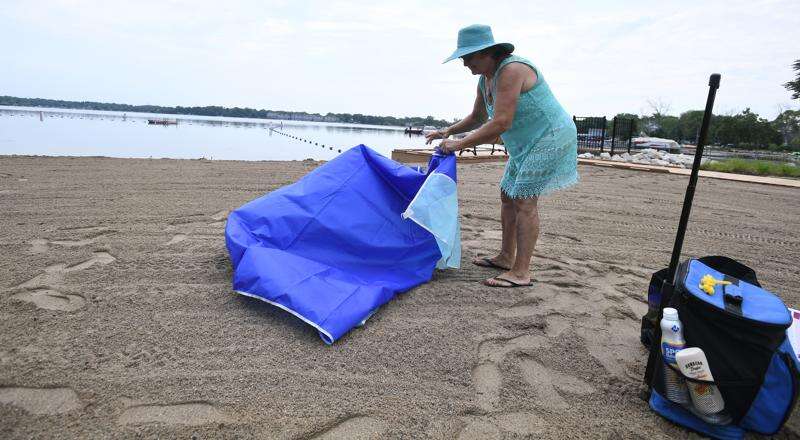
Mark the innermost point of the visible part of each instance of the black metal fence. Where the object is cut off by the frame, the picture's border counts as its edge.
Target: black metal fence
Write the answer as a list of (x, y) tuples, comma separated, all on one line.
[(621, 135), (592, 132)]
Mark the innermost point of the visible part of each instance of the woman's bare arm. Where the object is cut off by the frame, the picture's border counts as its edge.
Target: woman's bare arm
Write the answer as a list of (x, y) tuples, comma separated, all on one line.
[(475, 119), (509, 86)]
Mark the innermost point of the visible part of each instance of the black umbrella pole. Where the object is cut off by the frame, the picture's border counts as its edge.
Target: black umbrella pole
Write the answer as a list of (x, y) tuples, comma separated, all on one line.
[(713, 84)]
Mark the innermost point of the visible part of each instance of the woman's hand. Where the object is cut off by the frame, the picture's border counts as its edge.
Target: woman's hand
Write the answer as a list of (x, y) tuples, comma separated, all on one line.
[(449, 146), (438, 134)]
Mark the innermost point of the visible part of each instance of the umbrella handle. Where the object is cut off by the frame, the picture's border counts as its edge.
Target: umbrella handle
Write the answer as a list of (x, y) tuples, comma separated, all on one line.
[(713, 85)]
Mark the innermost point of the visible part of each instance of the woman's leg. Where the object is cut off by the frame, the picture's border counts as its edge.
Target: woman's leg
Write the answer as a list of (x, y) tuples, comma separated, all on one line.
[(508, 222), (526, 214)]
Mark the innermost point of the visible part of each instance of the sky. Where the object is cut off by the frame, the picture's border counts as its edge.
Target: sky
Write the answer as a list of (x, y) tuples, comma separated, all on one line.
[(385, 57)]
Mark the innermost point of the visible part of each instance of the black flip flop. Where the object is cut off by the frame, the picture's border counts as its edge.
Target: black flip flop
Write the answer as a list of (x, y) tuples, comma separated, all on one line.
[(490, 264), (512, 284)]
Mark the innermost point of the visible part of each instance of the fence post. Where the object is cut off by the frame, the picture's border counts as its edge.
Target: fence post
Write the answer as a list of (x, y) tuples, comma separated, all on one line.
[(630, 133), (603, 135), (613, 136)]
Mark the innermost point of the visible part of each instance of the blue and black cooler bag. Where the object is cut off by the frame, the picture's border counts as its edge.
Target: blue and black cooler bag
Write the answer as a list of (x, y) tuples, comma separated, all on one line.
[(742, 330)]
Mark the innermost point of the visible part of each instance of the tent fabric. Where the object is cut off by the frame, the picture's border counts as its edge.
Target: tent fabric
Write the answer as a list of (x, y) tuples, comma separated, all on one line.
[(334, 246)]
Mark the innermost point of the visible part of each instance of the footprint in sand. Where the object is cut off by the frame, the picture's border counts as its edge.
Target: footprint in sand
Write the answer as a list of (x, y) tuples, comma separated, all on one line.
[(41, 400), (189, 413), (521, 423), (50, 299), (356, 428), (219, 218), (525, 308), (41, 289), (222, 215), (546, 381), (39, 246), (219, 221), (54, 274), (488, 379), (177, 239), (486, 376)]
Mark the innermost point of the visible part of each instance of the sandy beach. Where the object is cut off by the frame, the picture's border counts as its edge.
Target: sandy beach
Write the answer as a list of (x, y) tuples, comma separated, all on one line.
[(117, 318)]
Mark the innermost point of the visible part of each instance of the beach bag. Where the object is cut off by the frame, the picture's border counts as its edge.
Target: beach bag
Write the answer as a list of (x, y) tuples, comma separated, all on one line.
[(742, 330), (650, 321)]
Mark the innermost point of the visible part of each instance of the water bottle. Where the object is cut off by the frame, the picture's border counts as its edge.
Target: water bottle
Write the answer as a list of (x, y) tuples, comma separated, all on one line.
[(650, 320), (706, 398), (672, 342)]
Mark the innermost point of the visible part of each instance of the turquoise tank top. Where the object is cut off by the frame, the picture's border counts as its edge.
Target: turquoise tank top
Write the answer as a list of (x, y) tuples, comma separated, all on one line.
[(542, 143)]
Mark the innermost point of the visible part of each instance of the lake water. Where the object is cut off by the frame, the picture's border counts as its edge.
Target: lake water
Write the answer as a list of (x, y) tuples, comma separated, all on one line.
[(60, 132)]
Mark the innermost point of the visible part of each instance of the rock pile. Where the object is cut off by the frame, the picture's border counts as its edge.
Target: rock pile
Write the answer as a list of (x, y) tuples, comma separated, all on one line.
[(648, 156)]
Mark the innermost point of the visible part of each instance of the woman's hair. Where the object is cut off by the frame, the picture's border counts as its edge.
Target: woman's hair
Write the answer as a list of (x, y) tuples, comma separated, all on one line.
[(497, 52)]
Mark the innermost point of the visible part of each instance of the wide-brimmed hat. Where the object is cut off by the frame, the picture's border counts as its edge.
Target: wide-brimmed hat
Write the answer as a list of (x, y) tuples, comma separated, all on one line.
[(474, 38)]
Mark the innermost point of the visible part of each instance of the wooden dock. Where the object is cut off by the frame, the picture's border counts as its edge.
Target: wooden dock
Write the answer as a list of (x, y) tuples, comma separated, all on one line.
[(424, 155)]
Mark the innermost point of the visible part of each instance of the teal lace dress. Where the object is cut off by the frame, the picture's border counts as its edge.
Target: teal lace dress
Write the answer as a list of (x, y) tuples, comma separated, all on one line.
[(542, 143)]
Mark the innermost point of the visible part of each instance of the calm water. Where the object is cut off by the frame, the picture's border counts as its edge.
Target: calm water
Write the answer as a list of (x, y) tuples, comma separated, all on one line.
[(58, 132)]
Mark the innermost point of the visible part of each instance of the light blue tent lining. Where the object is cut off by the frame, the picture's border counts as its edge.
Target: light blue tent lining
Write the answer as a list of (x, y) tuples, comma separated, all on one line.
[(435, 209)]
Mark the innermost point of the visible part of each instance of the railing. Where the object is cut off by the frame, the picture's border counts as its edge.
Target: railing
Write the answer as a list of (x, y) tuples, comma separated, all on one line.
[(621, 134), (592, 132)]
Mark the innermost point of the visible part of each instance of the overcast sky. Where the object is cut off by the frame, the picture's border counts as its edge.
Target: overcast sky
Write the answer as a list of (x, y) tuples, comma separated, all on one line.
[(384, 58)]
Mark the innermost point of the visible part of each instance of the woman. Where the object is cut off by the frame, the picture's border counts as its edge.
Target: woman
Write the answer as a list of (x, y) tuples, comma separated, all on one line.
[(514, 102)]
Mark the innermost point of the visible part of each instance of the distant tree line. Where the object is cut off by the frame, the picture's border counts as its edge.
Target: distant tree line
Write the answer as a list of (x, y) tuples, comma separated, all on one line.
[(235, 112), (746, 130)]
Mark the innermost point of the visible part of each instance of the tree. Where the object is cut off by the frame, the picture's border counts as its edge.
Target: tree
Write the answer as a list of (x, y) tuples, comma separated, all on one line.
[(659, 124), (745, 130), (689, 125), (794, 86), (659, 107), (788, 124)]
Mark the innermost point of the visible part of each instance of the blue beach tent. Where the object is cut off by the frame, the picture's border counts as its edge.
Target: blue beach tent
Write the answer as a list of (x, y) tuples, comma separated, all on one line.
[(346, 238)]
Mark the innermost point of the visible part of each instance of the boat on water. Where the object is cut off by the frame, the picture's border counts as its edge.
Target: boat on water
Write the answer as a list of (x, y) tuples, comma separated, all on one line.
[(162, 121), (420, 130)]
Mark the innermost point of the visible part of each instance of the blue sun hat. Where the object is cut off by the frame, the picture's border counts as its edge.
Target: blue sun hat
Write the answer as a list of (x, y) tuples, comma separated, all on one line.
[(474, 38)]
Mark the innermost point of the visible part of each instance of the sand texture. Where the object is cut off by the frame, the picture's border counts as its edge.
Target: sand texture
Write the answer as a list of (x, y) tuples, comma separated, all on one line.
[(117, 318)]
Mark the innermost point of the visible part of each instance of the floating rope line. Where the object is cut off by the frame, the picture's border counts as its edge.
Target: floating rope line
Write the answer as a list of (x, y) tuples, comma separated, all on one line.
[(338, 150)]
